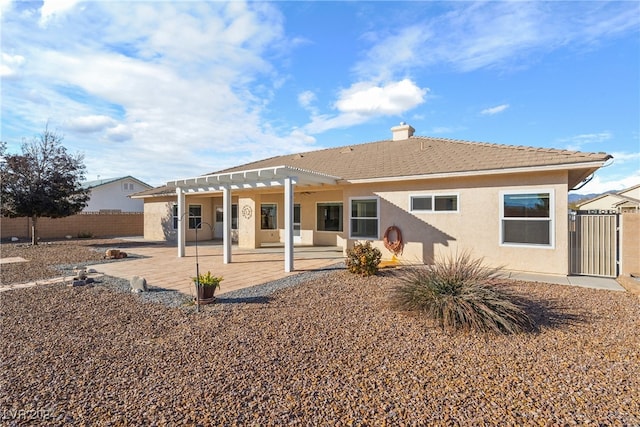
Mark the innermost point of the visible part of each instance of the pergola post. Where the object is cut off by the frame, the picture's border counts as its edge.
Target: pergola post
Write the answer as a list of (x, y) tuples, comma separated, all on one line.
[(226, 224), (181, 221), (288, 224)]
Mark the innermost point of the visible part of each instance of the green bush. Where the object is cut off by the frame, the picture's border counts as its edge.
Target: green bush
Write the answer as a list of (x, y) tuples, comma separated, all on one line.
[(460, 293), (207, 280), (85, 235), (363, 259)]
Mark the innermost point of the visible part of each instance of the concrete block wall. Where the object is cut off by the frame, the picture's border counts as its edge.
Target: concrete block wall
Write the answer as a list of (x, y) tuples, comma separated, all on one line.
[(94, 224), (630, 244)]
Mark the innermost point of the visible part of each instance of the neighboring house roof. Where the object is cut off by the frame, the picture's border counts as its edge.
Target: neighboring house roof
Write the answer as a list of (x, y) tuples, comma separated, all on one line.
[(99, 182), (618, 198)]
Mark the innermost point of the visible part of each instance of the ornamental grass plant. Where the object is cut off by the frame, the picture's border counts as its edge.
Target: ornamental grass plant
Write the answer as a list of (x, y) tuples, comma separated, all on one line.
[(459, 292)]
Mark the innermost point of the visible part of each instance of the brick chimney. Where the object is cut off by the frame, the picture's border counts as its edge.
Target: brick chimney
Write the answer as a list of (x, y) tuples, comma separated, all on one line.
[(404, 131)]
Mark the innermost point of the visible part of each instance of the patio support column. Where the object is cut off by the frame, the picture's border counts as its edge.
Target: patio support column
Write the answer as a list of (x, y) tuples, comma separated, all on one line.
[(288, 224), (181, 221), (226, 225)]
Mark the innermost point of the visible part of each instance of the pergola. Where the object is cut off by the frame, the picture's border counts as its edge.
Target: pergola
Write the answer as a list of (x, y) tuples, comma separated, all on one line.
[(278, 176)]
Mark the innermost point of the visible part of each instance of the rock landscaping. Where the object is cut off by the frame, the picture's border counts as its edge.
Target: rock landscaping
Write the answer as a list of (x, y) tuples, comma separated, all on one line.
[(326, 350)]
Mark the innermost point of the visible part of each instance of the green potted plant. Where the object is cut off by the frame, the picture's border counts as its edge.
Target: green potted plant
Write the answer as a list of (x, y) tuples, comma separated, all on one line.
[(206, 285)]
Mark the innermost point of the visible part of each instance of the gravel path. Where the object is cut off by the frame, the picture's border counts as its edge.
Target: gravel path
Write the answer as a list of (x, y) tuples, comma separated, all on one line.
[(329, 351)]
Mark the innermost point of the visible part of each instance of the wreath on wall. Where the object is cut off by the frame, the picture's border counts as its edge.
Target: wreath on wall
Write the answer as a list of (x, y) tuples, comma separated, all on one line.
[(396, 246)]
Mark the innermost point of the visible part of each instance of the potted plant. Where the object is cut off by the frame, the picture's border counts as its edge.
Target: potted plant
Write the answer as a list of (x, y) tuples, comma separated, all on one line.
[(206, 285)]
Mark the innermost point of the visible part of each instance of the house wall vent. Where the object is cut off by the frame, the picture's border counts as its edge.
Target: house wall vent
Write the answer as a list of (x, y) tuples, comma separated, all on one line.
[(403, 131)]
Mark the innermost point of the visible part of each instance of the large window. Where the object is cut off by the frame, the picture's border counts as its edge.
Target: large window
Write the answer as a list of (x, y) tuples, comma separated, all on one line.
[(364, 218), (329, 216), (269, 216), (434, 203), (526, 218)]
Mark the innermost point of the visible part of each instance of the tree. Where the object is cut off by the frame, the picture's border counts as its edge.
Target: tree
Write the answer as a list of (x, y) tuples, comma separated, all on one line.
[(43, 181)]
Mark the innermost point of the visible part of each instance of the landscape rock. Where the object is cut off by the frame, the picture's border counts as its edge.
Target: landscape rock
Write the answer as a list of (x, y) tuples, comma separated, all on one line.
[(138, 284)]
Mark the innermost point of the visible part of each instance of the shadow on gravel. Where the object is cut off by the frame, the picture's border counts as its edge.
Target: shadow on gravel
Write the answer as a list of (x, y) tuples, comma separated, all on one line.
[(550, 313), (244, 300)]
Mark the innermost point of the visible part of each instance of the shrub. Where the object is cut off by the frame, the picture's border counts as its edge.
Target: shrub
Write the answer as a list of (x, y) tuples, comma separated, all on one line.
[(460, 293), (207, 280), (85, 235), (363, 259)]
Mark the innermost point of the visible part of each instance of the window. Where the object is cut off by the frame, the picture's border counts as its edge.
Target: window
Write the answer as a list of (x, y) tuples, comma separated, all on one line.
[(174, 214), (269, 216), (364, 218), (195, 216), (526, 218), (434, 203), (329, 216), (128, 186)]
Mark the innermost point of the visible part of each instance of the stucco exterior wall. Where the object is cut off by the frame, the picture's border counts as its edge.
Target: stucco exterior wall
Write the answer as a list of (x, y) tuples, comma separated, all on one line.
[(113, 196), (476, 225), (603, 203)]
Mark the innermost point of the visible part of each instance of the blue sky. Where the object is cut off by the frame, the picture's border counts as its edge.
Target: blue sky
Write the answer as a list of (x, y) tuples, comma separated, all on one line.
[(164, 90)]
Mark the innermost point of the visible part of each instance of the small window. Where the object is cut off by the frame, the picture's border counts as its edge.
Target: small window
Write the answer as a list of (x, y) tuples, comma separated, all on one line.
[(128, 186), (329, 216), (434, 203), (269, 216), (364, 218), (526, 218), (195, 216)]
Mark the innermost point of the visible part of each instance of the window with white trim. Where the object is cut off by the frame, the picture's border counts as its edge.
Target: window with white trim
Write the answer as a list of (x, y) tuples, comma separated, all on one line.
[(174, 214), (329, 216), (269, 216), (526, 218), (364, 218), (234, 216), (195, 216), (434, 203)]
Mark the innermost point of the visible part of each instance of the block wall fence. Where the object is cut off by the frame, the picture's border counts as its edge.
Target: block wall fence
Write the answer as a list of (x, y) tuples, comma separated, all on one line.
[(94, 224), (630, 244)]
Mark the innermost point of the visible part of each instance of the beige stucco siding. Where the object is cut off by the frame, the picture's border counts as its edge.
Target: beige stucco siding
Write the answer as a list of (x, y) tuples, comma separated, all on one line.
[(476, 225)]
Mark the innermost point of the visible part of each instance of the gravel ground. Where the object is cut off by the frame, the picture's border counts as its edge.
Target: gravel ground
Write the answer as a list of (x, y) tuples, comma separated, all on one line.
[(329, 351)]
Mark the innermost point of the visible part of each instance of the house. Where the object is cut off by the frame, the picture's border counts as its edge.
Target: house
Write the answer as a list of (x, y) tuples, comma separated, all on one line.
[(112, 195), (627, 200), (505, 203)]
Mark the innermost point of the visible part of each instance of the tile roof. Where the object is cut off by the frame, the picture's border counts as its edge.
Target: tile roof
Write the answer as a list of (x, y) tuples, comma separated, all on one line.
[(423, 156)]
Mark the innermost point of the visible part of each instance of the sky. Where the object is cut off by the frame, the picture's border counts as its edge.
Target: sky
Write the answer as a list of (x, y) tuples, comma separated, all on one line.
[(165, 90)]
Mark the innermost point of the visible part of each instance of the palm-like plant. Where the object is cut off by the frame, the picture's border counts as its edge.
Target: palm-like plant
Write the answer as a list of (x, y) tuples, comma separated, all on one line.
[(459, 292)]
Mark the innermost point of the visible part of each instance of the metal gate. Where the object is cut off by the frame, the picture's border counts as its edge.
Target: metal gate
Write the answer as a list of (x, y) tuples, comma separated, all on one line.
[(593, 244)]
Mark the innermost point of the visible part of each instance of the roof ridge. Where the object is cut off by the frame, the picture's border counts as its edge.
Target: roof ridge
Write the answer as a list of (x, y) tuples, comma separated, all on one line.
[(509, 146)]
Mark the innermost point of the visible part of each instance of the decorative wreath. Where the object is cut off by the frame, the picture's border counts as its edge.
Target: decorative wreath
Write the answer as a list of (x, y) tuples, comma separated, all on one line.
[(397, 245)]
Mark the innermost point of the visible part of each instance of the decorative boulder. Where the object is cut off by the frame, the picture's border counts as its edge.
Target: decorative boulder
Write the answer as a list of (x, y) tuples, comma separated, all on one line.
[(138, 284), (112, 254)]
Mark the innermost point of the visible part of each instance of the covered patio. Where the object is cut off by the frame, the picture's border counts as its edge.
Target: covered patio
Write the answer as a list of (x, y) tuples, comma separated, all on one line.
[(285, 177), (161, 268)]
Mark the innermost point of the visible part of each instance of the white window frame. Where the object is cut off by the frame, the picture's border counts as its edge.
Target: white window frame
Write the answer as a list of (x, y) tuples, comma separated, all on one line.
[(551, 218), (189, 217), (275, 225), (339, 202), (433, 203), (377, 199)]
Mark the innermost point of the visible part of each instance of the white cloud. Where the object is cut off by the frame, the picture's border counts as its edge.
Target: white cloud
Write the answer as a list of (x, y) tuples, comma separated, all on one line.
[(306, 98), (89, 124), (601, 183), (51, 8), (494, 110), (577, 142), (10, 65), (366, 100)]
